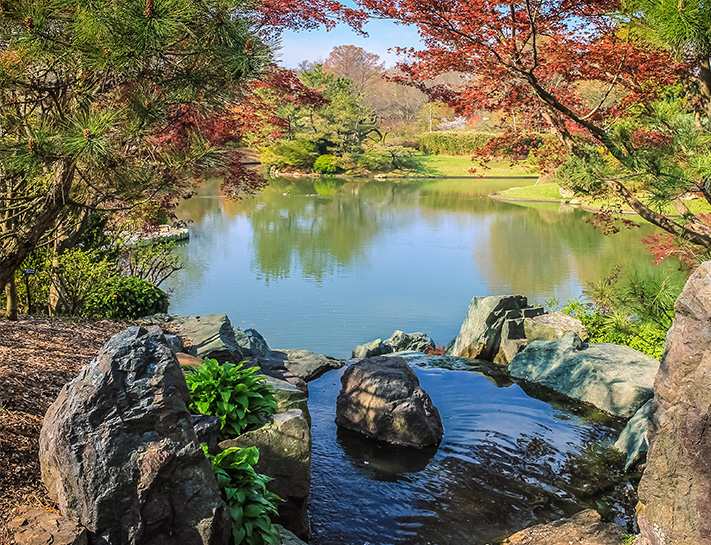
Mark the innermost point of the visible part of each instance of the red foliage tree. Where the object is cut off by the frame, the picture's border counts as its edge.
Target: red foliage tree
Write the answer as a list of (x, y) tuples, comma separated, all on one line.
[(534, 57)]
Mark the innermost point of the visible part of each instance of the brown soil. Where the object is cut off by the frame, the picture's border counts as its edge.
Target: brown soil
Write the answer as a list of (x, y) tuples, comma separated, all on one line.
[(37, 357)]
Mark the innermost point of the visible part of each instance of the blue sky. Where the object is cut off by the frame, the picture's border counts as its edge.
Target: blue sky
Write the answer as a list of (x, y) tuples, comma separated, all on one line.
[(314, 45)]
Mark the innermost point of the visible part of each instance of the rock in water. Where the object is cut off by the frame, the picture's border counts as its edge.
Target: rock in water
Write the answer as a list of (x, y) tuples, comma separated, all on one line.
[(480, 334), (676, 484), (119, 454), (381, 397), (615, 379)]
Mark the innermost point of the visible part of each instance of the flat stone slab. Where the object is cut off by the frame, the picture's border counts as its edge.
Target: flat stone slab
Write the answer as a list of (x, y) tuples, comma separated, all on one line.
[(302, 363), (585, 527), (615, 379), (32, 526)]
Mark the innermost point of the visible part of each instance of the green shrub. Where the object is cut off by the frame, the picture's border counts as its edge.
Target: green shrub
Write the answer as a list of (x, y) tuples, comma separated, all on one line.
[(299, 154), (235, 393), (325, 164), (453, 142), (246, 495), (126, 297), (618, 328)]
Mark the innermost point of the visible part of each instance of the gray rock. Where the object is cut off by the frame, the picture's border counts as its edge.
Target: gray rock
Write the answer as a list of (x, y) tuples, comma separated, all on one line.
[(207, 430), (304, 364), (615, 379), (287, 537), (285, 455), (548, 327), (119, 454), (675, 486), (252, 344), (381, 398), (633, 438), (32, 526), (371, 349), (211, 336), (513, 341), (288, 396), (174, 342), (480, 334), (400, 341)]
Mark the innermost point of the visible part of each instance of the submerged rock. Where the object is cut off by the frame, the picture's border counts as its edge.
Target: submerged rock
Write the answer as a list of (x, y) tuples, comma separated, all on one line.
[(585, 527), (119, 454), (381, 398), (675, 485), (615, 379)]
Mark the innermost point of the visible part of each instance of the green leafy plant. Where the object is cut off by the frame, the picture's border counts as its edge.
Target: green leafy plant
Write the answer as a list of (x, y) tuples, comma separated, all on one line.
[(235, 393), (246, 495), (126, 297), (326, 164)]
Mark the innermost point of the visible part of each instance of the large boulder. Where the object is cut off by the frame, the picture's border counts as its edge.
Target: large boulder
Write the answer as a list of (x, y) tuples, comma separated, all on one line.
[(285, 455), (548, 327), (381, 398), (632, 441), (119, 454), (615, 379), (251, 344), (675, 487), (585, 527), (480, 334)]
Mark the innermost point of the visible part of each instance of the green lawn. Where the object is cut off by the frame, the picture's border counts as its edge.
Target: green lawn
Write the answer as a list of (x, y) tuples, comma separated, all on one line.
[(446, 166), (551, 192), (543, 192)]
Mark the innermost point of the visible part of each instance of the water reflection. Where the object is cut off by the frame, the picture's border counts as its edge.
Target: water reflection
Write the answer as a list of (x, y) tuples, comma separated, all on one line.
[(507, 461), (326, 264)]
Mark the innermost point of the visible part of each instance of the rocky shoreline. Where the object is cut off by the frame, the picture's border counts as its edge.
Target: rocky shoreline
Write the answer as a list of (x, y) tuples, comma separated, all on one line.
[(523, 341)]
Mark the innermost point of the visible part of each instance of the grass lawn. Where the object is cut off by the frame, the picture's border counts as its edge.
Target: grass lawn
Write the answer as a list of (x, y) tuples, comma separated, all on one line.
[(446, 166), (551, 192), (543, 192)]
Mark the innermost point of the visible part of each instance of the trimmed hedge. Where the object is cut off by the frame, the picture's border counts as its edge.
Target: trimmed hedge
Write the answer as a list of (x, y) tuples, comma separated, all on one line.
[(453, 142)]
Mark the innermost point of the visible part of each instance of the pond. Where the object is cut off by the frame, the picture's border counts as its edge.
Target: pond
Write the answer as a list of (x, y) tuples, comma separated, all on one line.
[(325, 265)]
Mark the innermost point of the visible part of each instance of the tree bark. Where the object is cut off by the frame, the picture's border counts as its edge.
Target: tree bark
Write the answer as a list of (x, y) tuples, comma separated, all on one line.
[(11, 300)]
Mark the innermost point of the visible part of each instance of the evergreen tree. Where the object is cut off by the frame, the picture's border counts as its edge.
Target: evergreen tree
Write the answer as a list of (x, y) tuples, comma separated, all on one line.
[(109, 103)]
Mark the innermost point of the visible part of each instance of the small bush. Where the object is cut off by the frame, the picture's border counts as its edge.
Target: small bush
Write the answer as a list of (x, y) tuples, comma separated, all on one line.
[(246, 495), (326, 164), (126, 297), (235, 393)]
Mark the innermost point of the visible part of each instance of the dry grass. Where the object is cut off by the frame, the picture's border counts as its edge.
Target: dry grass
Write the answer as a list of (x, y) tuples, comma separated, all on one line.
[(37, 357)]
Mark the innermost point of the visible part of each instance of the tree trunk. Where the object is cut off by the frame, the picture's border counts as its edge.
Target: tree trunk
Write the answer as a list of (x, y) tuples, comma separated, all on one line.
[(11, 300)]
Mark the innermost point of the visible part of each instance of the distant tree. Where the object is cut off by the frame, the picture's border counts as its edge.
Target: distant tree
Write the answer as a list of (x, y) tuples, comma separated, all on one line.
[(363, 68)]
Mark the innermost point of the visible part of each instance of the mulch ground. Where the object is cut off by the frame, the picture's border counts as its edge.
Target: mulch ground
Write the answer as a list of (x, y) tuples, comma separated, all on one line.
[(37, 357)]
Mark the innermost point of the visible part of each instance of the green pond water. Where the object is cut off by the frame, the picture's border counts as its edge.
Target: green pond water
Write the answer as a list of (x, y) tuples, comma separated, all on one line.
[(328, 264)]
